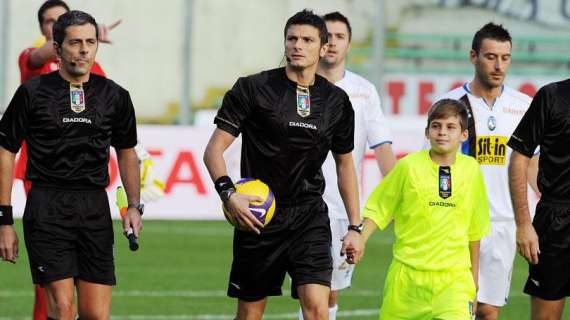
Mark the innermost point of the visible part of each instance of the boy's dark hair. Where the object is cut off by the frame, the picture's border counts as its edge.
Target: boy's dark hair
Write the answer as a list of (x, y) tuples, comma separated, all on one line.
[(308, 17), (446, 108), (48, 5), (72, 18), (339, 17), (490, 31)]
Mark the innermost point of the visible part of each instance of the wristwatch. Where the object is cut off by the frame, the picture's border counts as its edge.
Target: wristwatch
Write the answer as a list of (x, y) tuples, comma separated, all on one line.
[(357, 228), (139, 207), (226, 194)]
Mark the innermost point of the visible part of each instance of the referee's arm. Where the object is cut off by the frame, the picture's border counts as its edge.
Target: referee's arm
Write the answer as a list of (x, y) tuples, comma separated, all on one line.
[(348, 187), (237, 204), (8, 237), (527, 239), (130, 176)]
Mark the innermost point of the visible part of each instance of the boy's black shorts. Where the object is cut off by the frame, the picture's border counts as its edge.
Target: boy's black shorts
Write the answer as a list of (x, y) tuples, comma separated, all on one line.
[(550, 278), (69, 234), (296, 241)]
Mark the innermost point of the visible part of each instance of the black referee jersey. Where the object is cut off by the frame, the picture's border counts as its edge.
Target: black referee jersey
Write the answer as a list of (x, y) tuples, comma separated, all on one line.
[(284, 144), (547, 123), (68, 135)]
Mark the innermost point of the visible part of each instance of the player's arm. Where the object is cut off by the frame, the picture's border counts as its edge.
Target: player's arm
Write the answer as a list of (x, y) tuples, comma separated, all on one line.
[(385, 158), (8, 237), (237, 204), (527, 239), (532, 174), (348, 187), (41, 55), (378, 133), (130, 176)]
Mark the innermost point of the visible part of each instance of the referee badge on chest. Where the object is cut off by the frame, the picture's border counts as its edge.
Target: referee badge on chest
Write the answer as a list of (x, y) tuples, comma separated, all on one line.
[(76, 98), (445, 182), (303, 101)]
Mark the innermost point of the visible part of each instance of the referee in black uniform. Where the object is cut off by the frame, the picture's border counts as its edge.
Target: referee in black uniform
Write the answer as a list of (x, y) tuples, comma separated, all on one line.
[(289, 119), (70, 118), (545, 243)]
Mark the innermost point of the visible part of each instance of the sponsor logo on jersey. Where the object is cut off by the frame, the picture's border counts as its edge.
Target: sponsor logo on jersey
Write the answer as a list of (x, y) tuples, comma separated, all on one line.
[(491, 150), (441, 204), (77, 98), (76, 120), (445, 182), (302, 125), (303, 101), (514, 111)]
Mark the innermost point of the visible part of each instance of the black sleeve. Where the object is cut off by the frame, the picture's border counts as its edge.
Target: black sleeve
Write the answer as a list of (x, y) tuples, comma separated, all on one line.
[(530, 130), (235, 108), (14, 123), (125, 127), (343, 139)]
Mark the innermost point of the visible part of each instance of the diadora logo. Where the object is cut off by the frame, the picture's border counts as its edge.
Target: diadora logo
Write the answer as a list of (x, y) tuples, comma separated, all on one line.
[(441, 204), (80, 120), (302, 125)]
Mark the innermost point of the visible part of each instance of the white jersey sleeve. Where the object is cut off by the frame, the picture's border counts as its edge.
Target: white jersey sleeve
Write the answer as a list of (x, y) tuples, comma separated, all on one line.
[(378, 132)]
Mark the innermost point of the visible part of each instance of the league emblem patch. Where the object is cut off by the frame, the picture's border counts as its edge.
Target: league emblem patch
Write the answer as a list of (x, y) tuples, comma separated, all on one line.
[(303, 101), (445, 182), (76, 98), (492, 123)]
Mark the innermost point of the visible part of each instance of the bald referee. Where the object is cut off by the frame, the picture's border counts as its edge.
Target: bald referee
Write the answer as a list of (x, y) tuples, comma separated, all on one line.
[(70, 118), (544, 243)]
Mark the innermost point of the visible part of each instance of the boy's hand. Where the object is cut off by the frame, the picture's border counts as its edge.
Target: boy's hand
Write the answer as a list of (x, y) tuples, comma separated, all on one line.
[(352, 246)]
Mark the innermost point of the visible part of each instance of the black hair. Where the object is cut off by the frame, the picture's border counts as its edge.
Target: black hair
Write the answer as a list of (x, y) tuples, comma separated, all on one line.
[(490, 31), (48, 5), (309, 18), (72, 18), (337, 16)]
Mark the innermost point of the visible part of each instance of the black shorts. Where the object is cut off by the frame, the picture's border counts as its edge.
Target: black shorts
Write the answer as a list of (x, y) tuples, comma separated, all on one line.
[(550, 278), (69, 234), (297, 241)]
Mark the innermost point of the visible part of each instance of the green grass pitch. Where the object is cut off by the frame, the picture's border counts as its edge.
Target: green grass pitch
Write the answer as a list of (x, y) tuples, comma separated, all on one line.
[(181, 271)]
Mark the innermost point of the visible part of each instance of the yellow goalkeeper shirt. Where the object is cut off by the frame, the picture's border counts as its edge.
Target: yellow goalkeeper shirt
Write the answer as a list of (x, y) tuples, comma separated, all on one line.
[(437, 210)]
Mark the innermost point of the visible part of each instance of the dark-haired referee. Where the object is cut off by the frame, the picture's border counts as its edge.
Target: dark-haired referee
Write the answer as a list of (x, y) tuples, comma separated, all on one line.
[(544, 242), (289, 119), (70, 118)]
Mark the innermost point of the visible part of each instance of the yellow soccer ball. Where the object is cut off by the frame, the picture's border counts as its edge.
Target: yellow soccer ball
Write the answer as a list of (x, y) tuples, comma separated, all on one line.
[(262, 210)]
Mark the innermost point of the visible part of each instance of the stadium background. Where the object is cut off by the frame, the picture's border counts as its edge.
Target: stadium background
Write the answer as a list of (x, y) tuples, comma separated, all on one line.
[(177, 58)]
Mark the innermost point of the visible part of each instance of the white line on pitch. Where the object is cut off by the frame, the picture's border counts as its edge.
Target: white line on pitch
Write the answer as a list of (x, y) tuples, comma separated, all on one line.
[(345, 314)]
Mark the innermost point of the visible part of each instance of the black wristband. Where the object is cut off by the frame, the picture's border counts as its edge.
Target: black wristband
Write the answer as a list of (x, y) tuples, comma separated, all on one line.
[(6, 215), (224, 183)]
